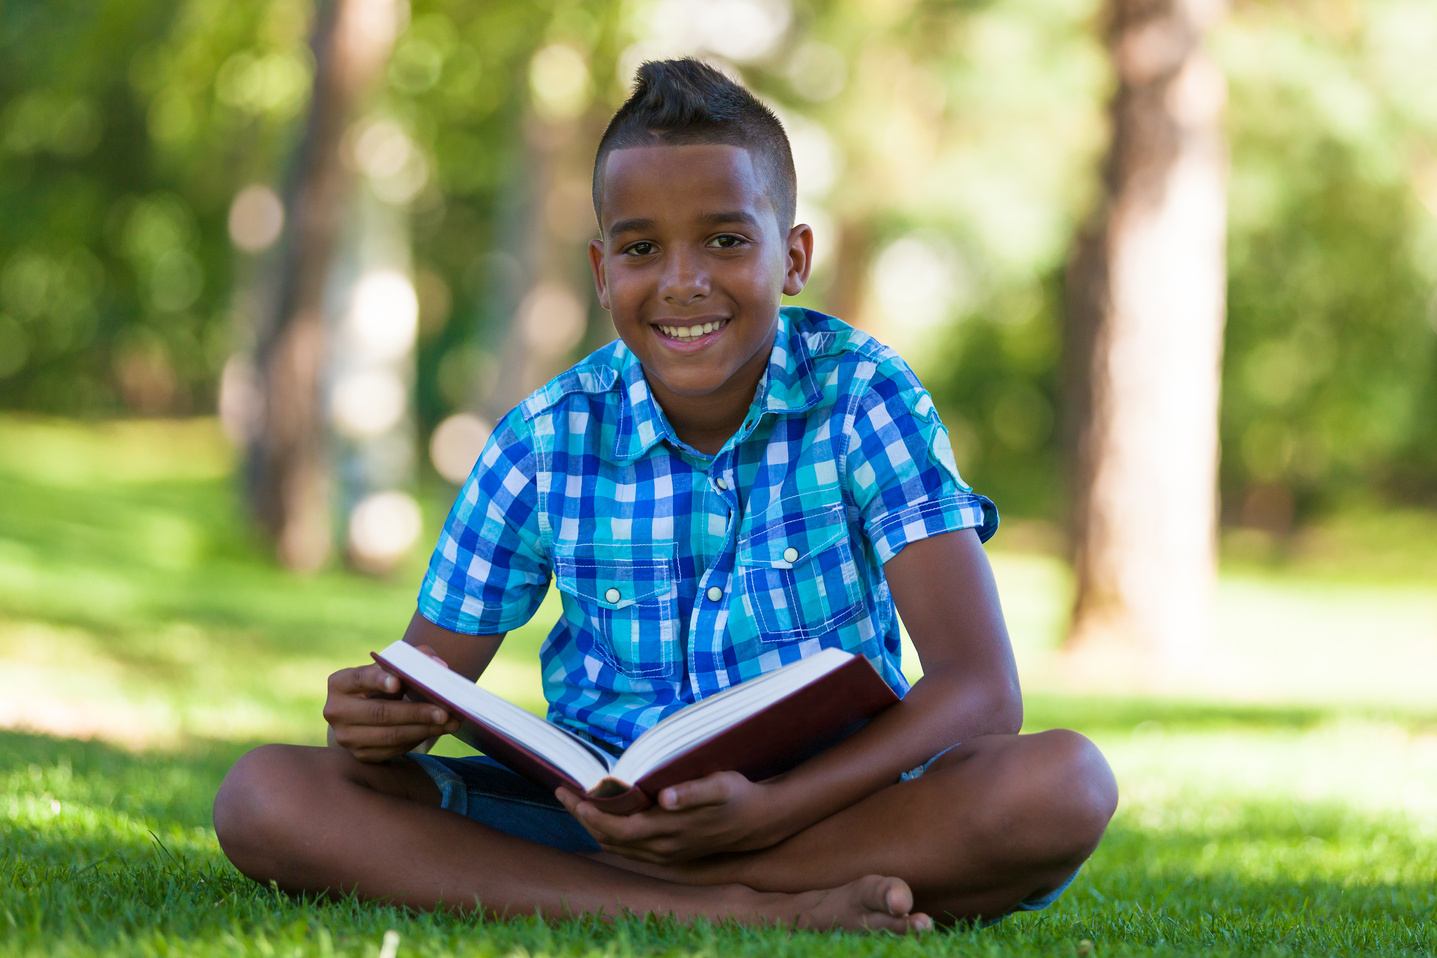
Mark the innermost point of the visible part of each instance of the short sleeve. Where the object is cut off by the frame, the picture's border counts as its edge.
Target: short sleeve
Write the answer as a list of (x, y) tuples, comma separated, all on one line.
[(900, 468), (489, 572)]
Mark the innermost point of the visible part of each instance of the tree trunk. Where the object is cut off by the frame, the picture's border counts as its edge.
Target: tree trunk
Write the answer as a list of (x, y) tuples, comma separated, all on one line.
[(286, 470), (847, 295), (554, 304), (1146, 308)]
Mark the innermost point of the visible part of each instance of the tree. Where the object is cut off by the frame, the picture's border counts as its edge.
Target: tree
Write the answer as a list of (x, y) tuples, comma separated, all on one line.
[(352, 39), (1146, 311)]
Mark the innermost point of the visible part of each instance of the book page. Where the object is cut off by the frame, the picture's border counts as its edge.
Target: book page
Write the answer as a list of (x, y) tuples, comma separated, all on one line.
[(701, 721), (561, 748)]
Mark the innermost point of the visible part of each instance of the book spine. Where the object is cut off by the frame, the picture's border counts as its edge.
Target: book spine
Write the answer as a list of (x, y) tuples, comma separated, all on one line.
[(632, 799)]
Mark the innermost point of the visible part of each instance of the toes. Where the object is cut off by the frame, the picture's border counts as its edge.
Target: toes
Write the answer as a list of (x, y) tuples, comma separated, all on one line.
[(899, 925), (897, 897), (889, 896)]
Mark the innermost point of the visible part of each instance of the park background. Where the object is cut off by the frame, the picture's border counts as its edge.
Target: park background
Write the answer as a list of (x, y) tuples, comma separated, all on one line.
[(269, 271)]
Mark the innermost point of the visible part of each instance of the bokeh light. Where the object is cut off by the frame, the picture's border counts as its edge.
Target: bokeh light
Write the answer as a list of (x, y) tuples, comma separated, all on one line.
[(553, 318), (456, 443), (918, 281), (559, 79), (384, 315), (366, 404), (382, 528), (256, 218), (393, 164)]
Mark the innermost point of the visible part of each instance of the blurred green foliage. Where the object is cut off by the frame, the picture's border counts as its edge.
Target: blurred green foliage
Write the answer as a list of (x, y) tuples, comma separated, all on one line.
[(1330, 380), (126, 129)]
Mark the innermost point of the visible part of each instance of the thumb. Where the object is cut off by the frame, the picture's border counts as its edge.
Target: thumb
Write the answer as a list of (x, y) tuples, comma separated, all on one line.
[(429, 651)]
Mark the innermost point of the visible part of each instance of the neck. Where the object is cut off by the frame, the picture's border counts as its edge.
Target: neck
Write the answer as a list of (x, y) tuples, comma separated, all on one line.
[(707, 422)]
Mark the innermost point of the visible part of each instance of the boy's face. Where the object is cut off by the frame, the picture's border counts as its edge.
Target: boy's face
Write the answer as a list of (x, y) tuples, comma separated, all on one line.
[(691, 243)]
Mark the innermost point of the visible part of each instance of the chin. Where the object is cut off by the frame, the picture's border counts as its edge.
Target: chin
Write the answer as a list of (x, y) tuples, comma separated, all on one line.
[(693, 386)]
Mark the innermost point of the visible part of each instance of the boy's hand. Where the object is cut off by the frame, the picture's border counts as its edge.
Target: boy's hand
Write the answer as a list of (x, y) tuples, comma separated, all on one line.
[(722, 812), (367, 717)]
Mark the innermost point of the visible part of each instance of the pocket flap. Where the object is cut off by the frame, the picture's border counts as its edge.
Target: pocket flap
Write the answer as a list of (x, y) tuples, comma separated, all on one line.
[(786, 540), (614, 575)]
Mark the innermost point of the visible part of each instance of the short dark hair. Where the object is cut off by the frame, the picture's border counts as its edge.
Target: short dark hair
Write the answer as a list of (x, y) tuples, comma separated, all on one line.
[(685, 101)]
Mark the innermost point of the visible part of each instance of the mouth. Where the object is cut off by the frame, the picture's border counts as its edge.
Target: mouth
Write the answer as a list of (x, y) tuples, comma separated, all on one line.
[(692, 333)]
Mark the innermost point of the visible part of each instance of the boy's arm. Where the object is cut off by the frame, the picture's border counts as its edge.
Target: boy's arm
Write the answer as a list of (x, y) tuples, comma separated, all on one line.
[(365, 712), (944, 590)]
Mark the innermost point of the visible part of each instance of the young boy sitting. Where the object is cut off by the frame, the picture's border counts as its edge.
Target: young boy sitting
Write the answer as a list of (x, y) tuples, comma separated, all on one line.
[(731, 487)]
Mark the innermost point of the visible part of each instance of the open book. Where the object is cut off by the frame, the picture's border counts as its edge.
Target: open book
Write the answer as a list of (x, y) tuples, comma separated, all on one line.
[(759, 728)]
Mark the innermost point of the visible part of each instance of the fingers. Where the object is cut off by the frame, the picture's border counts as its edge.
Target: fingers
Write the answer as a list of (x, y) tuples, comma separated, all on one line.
[(365, 679), (715, 789), (353, 710), (375, 744), (371, 742), (372, 722), (640, 836), (618, 829)]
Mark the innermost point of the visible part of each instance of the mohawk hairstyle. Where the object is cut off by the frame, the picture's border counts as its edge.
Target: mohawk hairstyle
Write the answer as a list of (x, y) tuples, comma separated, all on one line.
[(683, 102)]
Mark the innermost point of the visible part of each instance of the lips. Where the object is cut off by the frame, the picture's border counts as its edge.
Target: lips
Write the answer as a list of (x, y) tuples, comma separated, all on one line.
[(692, 332)]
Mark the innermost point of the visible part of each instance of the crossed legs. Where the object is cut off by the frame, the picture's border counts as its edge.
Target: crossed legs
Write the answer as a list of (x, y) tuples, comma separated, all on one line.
[(991, 823)]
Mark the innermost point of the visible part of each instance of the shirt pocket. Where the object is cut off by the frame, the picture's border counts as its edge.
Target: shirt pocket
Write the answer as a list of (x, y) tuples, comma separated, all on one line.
[(628, 597), (797, 572)]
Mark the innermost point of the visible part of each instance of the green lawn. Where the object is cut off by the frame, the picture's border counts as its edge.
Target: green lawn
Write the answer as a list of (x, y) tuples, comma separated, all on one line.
[(146, 643)]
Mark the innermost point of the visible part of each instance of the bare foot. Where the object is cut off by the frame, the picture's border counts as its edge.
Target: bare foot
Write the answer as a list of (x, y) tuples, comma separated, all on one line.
[(872, 903)]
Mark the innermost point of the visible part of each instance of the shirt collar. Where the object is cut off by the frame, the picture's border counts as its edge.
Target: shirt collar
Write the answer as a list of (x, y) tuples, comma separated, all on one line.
[(787, 386)]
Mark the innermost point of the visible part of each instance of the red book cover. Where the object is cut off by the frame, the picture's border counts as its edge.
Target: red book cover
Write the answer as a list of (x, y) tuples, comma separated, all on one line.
[(766, 743)]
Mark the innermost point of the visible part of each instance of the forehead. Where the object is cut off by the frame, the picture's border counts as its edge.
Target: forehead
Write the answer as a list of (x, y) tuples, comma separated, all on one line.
[(672, 183)]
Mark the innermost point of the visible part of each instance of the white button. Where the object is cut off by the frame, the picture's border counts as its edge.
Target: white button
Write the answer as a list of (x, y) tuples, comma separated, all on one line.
[(721, 482), (790, 554), (612, 595), (715, 593)]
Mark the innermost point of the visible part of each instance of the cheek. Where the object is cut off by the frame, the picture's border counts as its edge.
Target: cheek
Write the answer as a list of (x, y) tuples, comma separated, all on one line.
[(623, 289)]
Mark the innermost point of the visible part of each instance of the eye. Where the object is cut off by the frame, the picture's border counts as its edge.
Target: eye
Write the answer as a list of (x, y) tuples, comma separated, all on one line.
[(641, 248), (727, 241)]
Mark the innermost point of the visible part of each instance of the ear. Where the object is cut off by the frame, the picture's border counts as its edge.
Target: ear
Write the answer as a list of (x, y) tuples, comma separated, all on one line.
[(799, 259), (596, 263)]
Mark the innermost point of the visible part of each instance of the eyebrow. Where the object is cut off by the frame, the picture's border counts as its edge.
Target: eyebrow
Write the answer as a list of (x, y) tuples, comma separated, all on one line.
[(731, 216), (644, 225), (636, 225)]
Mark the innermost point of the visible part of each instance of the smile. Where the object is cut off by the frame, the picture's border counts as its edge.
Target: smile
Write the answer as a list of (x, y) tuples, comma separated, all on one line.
[(686, 334)]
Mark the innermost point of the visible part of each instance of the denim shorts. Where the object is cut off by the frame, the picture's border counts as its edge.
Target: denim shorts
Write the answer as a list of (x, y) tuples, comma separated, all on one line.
[(487, 792)]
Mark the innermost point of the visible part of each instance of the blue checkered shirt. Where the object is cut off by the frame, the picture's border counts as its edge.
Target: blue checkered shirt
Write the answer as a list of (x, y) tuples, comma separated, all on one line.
[(680, 573)]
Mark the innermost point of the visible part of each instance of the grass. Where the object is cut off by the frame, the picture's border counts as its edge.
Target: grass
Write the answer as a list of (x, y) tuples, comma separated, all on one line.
[(148, 644)]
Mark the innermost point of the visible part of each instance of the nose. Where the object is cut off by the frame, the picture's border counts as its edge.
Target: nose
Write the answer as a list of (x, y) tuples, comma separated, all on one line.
[(685, 279)]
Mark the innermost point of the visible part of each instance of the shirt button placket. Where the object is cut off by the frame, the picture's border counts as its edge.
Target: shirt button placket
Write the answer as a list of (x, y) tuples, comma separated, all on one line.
[(706, 614)]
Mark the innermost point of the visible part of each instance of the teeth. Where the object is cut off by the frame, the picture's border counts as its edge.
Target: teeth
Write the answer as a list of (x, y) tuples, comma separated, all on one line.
[(692, 332)]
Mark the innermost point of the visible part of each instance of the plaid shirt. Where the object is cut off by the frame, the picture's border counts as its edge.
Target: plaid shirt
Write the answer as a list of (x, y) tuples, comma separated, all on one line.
[(682, 574)]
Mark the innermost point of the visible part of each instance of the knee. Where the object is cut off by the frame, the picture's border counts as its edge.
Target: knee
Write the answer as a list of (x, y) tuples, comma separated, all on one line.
[(255, 805), (1076, 789)]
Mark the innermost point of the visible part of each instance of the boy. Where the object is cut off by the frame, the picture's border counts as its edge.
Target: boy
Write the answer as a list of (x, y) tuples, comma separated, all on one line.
[(730, 488)]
